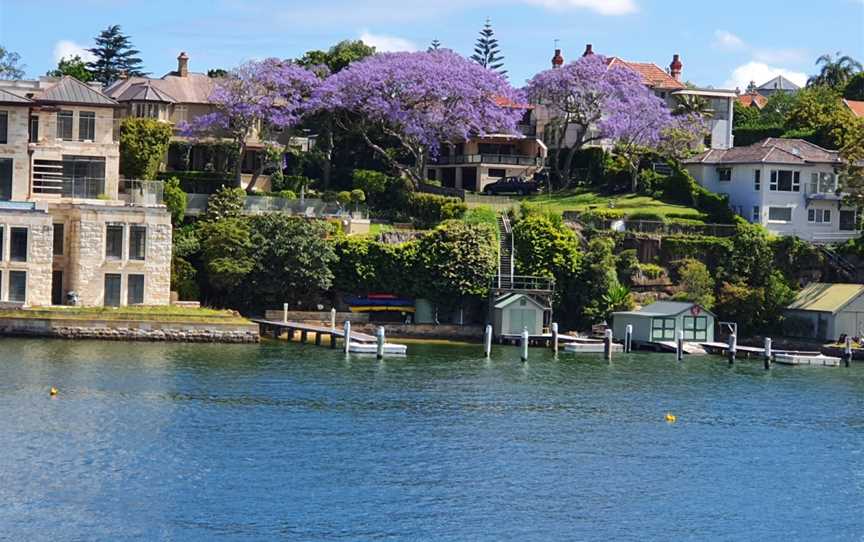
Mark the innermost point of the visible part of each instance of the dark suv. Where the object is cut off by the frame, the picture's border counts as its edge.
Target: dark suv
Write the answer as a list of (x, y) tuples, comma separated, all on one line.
[(512, 185)]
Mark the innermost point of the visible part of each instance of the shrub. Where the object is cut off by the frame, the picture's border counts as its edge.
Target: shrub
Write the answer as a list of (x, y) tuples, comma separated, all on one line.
[(712, 251), (143, 146), (651, 182), (427, 210), (595, 217), (696, 283), (175, 200), (654, 217), (226, 203), (545, 249), (373, 183), (626, 265), (287, 194), (747, 135), (651, 271)]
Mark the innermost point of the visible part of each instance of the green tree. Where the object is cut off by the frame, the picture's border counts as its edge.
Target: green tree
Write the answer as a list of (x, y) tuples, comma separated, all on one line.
[(752, 257), (292, 260), (486, 51), (185, 245), (215, 73), (175, 200), (545, 248), (373, 183), (114, 57), (855, 88), (691, 104), (72, 66), (777, 109), (357, 197), (10, 65), (587, 299), (226, 203), (456, 261), (227, 253), (143, 146), (696, 283), (820, 116), (835, 71), (744, 116)]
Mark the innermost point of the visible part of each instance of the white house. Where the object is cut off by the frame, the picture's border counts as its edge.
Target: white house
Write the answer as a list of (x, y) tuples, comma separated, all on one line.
[(788, 185)]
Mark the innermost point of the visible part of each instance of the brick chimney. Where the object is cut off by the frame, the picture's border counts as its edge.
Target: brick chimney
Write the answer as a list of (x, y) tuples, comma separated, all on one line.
[(675, 67), (557, 60), (589, 50), (183, 64)]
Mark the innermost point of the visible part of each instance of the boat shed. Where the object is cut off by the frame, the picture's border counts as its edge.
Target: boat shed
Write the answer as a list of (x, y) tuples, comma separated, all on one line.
[(826, 311), (514, 312), (660, 321)]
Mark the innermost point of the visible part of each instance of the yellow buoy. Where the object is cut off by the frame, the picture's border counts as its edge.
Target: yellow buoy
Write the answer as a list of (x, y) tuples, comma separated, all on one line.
[(53, 391), (671, 418)]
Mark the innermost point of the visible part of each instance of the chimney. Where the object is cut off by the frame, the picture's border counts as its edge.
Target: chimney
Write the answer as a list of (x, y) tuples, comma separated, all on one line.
[(557, 60), (588, 50), (183, 64), (675, 67)]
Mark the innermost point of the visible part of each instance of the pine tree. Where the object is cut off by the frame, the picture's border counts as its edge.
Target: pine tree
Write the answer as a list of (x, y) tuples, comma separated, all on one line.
[(434, 46), (114, 56), (486, 52)]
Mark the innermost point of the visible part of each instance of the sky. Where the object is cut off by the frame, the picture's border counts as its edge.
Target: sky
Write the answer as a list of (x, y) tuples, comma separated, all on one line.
[(722, 44)]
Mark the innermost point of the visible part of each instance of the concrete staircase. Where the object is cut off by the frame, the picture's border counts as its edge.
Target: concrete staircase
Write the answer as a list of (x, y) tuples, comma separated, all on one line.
[(505, 253)]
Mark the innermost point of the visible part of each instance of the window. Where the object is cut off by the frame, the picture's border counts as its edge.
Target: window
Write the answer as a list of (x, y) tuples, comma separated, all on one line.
[(4, 127), (180, 113), (724, 173), (757, 180), (822, 183), (112, 289), (58, 239), (135, 289), (84, 176), (18, 245), (86, 126), (34, 128), (785, 180), (662, 329), (17, 286), (148, 110), (6, 178), (114, 242), (499, 173), (137, 242), (779, 214), (819, 216), (695, 328), (756, 214), (64, 125)]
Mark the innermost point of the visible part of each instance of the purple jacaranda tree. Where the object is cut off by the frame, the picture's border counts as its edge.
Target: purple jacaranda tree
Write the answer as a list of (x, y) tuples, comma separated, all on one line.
[(590, 101), (419, 101), (253, 103)]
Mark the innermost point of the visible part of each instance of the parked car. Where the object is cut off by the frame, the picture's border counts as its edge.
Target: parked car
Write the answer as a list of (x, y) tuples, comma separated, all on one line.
[(512, 185)]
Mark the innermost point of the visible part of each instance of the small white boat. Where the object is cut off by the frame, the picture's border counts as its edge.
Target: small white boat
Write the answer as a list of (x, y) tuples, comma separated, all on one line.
[(806, 358), (390, 349), (590, 347)]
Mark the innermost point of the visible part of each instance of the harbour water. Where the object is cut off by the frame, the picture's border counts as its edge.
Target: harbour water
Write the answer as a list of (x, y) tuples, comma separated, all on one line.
[(290, 442)]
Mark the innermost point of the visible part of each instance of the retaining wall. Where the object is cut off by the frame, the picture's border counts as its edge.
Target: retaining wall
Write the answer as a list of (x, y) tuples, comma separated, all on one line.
[(130, 330)]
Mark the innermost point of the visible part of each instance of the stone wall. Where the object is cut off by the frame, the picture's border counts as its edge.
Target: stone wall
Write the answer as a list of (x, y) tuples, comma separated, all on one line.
[(39, 248), (15, 148)]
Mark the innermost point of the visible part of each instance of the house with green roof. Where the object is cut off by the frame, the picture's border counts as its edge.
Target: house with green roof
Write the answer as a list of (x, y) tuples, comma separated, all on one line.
[(826, 311)]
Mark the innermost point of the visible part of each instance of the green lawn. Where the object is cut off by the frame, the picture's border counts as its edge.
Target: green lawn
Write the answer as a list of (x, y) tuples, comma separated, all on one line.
[(155, 314), (582, 200), (375, 229)]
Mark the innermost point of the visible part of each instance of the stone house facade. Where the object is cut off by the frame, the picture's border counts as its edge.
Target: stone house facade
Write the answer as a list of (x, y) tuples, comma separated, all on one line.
[(68, 222)]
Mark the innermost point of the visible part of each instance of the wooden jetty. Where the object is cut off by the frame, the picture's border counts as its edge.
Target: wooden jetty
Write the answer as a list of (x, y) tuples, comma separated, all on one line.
[(545, 339), (784, 357), (361, 343)]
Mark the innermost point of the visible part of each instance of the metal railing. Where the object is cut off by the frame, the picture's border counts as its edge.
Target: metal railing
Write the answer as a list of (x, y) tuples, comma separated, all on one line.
[(143, 193), (528, 284), (506, 159), (66, 187)]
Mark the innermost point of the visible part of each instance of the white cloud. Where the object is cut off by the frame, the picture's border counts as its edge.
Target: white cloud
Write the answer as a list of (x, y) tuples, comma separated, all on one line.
[(724, 39), (66, 49), (603, 7), (384, 43), (760, 73)]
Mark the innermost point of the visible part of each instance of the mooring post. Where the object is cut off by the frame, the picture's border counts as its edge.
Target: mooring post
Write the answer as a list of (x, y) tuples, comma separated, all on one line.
[(607, 345), (487, 341), (767, 353), (524, 344), (284, 312), (347, 341), (333, 318), (733, 346), (380, 351), (628, 338), (679, 345), (555, 337), (847, 352)]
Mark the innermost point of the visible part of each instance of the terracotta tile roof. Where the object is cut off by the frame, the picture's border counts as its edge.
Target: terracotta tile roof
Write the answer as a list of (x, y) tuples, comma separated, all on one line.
[(652, 75), (772, 150), (753, 99), (195, 88), (503, 101), (857, 107)]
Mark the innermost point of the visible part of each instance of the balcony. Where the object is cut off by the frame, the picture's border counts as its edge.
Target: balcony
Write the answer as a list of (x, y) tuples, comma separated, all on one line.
[(141, 193), (494, 159), (66, 187)]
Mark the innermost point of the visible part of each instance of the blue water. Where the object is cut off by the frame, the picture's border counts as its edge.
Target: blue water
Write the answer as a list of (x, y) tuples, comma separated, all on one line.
[(215, 442)]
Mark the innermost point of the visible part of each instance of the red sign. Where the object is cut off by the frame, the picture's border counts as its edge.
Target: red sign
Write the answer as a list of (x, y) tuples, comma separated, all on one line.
[(695, 310)]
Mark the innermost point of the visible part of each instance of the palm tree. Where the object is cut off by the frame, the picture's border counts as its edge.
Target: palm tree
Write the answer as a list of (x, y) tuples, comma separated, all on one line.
[(691, 104), (835, 71)]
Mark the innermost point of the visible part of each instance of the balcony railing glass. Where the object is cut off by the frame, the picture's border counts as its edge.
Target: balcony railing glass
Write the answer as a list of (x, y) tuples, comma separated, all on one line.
[(144, 193), (65, 187), (507, 159)]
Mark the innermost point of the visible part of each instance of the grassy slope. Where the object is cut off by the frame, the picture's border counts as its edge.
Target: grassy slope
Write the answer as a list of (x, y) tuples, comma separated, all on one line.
[(582, 199), (160, 314)]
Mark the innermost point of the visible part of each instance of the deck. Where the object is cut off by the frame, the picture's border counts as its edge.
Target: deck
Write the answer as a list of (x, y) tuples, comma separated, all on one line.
[(277, 328)]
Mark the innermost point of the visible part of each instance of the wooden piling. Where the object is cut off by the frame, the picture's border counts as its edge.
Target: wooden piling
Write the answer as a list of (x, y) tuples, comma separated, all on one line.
[(379, 352), (607, 345), (767, 353), (284, 312), (679, 345), (847, 352), (524, 344), (555, 337), (487, 341), (333, 318), (732, 347), (347, 341), (628, 338)]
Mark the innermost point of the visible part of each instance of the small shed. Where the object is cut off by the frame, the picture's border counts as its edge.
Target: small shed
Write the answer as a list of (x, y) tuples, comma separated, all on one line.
[(662, 320), (826, 311), (514, 312)]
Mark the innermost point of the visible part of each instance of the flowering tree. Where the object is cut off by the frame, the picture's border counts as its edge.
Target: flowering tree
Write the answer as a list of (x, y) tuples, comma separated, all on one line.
[(590, 101), (419, 100), (254, 101)]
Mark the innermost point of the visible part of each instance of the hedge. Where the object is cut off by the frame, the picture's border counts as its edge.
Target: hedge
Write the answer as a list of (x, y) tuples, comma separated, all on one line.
[(747, 135), (712, 251)]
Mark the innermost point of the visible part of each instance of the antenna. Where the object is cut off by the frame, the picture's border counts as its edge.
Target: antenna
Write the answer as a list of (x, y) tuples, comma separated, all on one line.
[(556, 40)]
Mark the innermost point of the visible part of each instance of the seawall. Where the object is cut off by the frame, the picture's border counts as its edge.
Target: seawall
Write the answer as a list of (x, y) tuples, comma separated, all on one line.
[(130, 330)]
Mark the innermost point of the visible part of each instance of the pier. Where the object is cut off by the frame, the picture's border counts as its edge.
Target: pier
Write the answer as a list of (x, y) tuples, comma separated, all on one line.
[(358, 342)]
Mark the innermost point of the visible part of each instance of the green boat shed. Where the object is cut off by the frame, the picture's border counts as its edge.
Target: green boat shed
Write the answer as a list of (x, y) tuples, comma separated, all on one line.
[(660, 321)]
